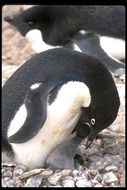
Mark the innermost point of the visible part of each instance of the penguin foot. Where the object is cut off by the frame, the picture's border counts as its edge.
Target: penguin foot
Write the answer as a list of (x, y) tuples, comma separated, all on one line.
[(62, 157)]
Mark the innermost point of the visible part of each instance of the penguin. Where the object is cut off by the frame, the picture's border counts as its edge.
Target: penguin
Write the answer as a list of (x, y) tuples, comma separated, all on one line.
[(47, 26), (51, 103)]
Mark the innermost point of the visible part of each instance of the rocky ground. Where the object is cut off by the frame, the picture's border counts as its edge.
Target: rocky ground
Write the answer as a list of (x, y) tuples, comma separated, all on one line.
[(103, 164)]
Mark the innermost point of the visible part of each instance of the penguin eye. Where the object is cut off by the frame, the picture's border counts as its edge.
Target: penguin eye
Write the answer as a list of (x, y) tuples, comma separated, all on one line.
[(93, 121)]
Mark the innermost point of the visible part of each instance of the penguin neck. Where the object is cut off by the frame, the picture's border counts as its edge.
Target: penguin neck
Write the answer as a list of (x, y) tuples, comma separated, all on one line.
[(70, 98)]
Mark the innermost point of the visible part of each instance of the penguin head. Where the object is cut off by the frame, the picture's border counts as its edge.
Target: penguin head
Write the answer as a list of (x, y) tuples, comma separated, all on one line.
[(29, 19), (99, 115), (35, 25)]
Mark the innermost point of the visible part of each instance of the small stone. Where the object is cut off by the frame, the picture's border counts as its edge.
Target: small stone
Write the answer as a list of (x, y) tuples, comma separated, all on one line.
[(68, 178), (3, 183), (66, 172), (77, 178), (75, 172), (93, 172), (54, 178), (85, 175), (19, 169), (19, 183), (10, 183), (6, 179), (110, 177), (47, 172), (98, 178), (30, 173), (34, 181), (113, 159), (111, 168), (94, 181), (111, 147), (68, 183), (8, 173), (107, 160), (83, 183)]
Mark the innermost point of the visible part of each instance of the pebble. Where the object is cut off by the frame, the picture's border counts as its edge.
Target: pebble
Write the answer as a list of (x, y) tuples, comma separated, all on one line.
[(94, 181), (47, 172), (111, 168), (68, 183), (3, 183), (19, 183), (105, 161), (6, 178), (54, 178), (18, 170), (93, 172), (10, 183), (30, 173), (75, 172), (98, 177), (109, 177), (34, 181), (77, 178), (111, 147), (83, 183), (66, 172), (68, 178), (8, 173)]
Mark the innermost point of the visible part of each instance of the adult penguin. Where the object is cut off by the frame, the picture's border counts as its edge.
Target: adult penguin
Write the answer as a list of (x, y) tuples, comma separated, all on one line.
[(53, 101), (47, 26)]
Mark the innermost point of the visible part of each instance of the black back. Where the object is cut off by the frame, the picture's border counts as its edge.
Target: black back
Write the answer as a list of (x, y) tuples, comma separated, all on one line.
[(59, 23)]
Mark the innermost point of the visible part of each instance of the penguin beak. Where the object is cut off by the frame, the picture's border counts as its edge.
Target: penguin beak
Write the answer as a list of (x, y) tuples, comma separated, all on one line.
[(89, 142), (9, 19)]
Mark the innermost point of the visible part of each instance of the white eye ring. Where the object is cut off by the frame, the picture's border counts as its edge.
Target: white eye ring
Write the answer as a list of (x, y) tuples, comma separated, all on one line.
[(93, 121)]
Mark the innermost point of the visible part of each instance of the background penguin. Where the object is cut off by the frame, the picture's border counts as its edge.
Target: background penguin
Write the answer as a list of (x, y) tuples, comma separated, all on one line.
[(90, 44), (53, 101), (48, 26)]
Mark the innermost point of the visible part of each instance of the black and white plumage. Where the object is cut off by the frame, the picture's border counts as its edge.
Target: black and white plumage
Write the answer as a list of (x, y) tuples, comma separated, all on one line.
[(48, 26), (56, 98), (90, 43)]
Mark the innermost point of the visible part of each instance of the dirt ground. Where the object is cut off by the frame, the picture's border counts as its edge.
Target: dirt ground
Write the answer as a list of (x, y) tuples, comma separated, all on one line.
[(16, 50)]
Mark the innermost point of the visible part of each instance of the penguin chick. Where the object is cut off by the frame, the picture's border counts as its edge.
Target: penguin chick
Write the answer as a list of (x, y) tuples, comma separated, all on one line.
[(57, 95)]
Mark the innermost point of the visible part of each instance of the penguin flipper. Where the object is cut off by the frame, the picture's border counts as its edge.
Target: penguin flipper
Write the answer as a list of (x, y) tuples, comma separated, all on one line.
[(36, 105)]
